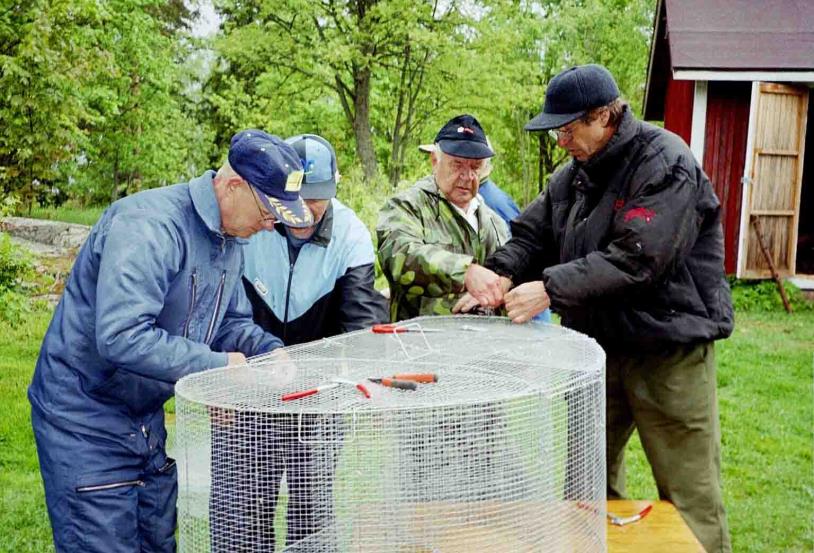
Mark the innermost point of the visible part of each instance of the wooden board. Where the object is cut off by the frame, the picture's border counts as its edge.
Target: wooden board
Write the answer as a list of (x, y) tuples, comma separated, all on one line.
[(661, 530)]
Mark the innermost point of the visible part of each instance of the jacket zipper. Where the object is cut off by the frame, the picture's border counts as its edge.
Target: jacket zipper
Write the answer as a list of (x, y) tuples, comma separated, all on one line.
[(113, 486), (194, 279), (287, 298), (218, 298)]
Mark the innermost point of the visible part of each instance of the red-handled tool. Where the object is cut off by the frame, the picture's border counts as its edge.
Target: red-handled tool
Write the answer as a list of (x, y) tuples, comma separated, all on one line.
[(358, 385), (312, 391), (335, 383), (395, 383), (396, 329), (622, 521), (421, 378)]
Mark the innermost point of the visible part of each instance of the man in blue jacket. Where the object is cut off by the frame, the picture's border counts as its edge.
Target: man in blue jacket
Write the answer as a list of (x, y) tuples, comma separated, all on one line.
[(154, 295), (304, 284), (336, 253)]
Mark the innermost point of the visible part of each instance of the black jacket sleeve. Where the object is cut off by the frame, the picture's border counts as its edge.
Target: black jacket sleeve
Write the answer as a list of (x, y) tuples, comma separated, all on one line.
[(531, 247), (359, 304)]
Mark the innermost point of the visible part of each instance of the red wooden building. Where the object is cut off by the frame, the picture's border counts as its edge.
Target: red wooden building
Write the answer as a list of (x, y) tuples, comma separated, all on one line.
[(732, 77)]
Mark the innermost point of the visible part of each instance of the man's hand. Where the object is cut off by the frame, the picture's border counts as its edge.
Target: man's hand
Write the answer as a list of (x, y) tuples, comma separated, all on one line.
[(466, 304), (484, 285), (235, 358), (526, 301)]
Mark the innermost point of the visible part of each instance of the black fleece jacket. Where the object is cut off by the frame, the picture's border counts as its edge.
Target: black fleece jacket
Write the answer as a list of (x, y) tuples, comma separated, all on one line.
[(628, 244)]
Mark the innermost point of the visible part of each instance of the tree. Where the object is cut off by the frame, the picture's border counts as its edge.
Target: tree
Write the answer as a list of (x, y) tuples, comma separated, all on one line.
[(91, 94), (47, 53), (346, 48)]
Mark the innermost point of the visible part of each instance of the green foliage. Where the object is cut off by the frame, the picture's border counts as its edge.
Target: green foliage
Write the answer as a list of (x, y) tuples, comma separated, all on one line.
[(9, 205), (16, 269), (294, 66), (92, 99), (763, 295), (98, 100)]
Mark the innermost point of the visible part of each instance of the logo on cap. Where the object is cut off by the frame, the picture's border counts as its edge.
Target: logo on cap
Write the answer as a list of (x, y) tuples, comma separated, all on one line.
[(466, 130), (293, 182)]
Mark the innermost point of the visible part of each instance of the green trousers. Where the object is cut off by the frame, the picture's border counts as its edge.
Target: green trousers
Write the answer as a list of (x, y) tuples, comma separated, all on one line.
[(670, 398)]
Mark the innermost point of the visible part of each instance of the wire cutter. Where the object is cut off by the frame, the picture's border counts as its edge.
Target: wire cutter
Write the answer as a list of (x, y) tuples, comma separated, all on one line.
[(406, 381)]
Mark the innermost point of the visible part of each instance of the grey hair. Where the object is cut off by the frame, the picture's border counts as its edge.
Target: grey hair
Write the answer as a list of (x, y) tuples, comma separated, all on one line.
[(226, 171)]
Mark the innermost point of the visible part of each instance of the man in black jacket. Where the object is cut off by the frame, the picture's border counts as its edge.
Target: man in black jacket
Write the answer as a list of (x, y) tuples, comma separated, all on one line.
[(626, 245)]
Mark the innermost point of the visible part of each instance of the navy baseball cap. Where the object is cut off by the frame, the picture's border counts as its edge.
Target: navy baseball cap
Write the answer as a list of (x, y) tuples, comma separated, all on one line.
[(462, 136), (319, 162), (572, 93), (273, 169)]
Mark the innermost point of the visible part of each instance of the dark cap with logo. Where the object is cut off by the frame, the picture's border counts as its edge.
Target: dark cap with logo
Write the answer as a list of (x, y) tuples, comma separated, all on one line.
[(463, 136), (319, 162), (572, 93), (273, 169)]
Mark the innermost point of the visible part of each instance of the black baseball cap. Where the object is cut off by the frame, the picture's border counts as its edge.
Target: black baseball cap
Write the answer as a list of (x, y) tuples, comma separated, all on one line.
[(273, 169), (462, 136), (572, 93)]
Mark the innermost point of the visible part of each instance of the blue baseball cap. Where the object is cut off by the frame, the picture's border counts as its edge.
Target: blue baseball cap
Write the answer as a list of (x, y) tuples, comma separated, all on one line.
[(319, 162), (572, 93), (273, 169)]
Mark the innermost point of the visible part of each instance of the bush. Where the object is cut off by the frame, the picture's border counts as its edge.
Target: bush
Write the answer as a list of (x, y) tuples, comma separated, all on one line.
[(763, 295), (16, 270)]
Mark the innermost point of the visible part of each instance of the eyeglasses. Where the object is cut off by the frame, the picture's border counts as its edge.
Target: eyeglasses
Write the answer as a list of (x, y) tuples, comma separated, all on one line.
[(264, 216), (561, 134)]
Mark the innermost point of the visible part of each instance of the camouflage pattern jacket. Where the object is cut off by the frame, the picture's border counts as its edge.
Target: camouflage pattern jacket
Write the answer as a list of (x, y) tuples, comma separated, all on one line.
[(425, 247)]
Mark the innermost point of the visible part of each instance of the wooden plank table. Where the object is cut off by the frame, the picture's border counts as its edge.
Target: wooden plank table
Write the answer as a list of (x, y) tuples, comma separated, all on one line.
[(661, 530)]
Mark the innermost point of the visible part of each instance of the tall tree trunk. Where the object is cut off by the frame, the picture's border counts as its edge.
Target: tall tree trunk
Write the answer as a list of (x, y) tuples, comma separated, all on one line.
[(114, 194), (361, 122)]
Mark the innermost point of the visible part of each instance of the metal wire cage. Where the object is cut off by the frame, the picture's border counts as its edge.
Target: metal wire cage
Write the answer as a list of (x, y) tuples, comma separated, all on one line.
[(505, 452)]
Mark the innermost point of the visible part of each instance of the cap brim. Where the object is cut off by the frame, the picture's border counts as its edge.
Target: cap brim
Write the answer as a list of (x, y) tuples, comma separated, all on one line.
[(465, 148), (545, 121), (291, 213), (318, 190), (426, 148)]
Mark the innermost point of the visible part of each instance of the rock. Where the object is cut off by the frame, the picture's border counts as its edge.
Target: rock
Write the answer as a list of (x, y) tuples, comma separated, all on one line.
[(43, 231)]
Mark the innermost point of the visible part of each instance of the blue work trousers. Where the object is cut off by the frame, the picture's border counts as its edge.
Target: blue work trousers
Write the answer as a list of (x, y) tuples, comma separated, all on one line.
[(106, 496)]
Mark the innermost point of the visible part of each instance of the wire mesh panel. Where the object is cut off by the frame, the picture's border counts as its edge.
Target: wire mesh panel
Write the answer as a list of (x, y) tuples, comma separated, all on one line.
[(300, 451)]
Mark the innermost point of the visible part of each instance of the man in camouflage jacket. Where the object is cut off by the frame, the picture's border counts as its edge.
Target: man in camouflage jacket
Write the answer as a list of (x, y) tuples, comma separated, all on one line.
[(429, 234)]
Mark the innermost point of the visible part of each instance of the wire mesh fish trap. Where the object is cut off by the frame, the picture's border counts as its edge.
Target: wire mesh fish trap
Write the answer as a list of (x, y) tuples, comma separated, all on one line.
[(505, 452)]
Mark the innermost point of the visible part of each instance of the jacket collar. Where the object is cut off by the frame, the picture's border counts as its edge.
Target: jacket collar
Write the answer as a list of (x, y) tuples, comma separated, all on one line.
[(324, 231), (202, 191), (427, 184), (628, 128)]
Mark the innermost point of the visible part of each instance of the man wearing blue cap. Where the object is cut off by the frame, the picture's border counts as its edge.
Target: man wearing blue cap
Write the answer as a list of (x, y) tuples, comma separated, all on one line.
[(336, 253), (626, 244), (431, 233), (154, 295), (304, 284)]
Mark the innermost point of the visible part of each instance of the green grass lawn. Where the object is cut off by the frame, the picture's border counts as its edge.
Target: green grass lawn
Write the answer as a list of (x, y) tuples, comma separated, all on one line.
[(766, 394), (69, 214)]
